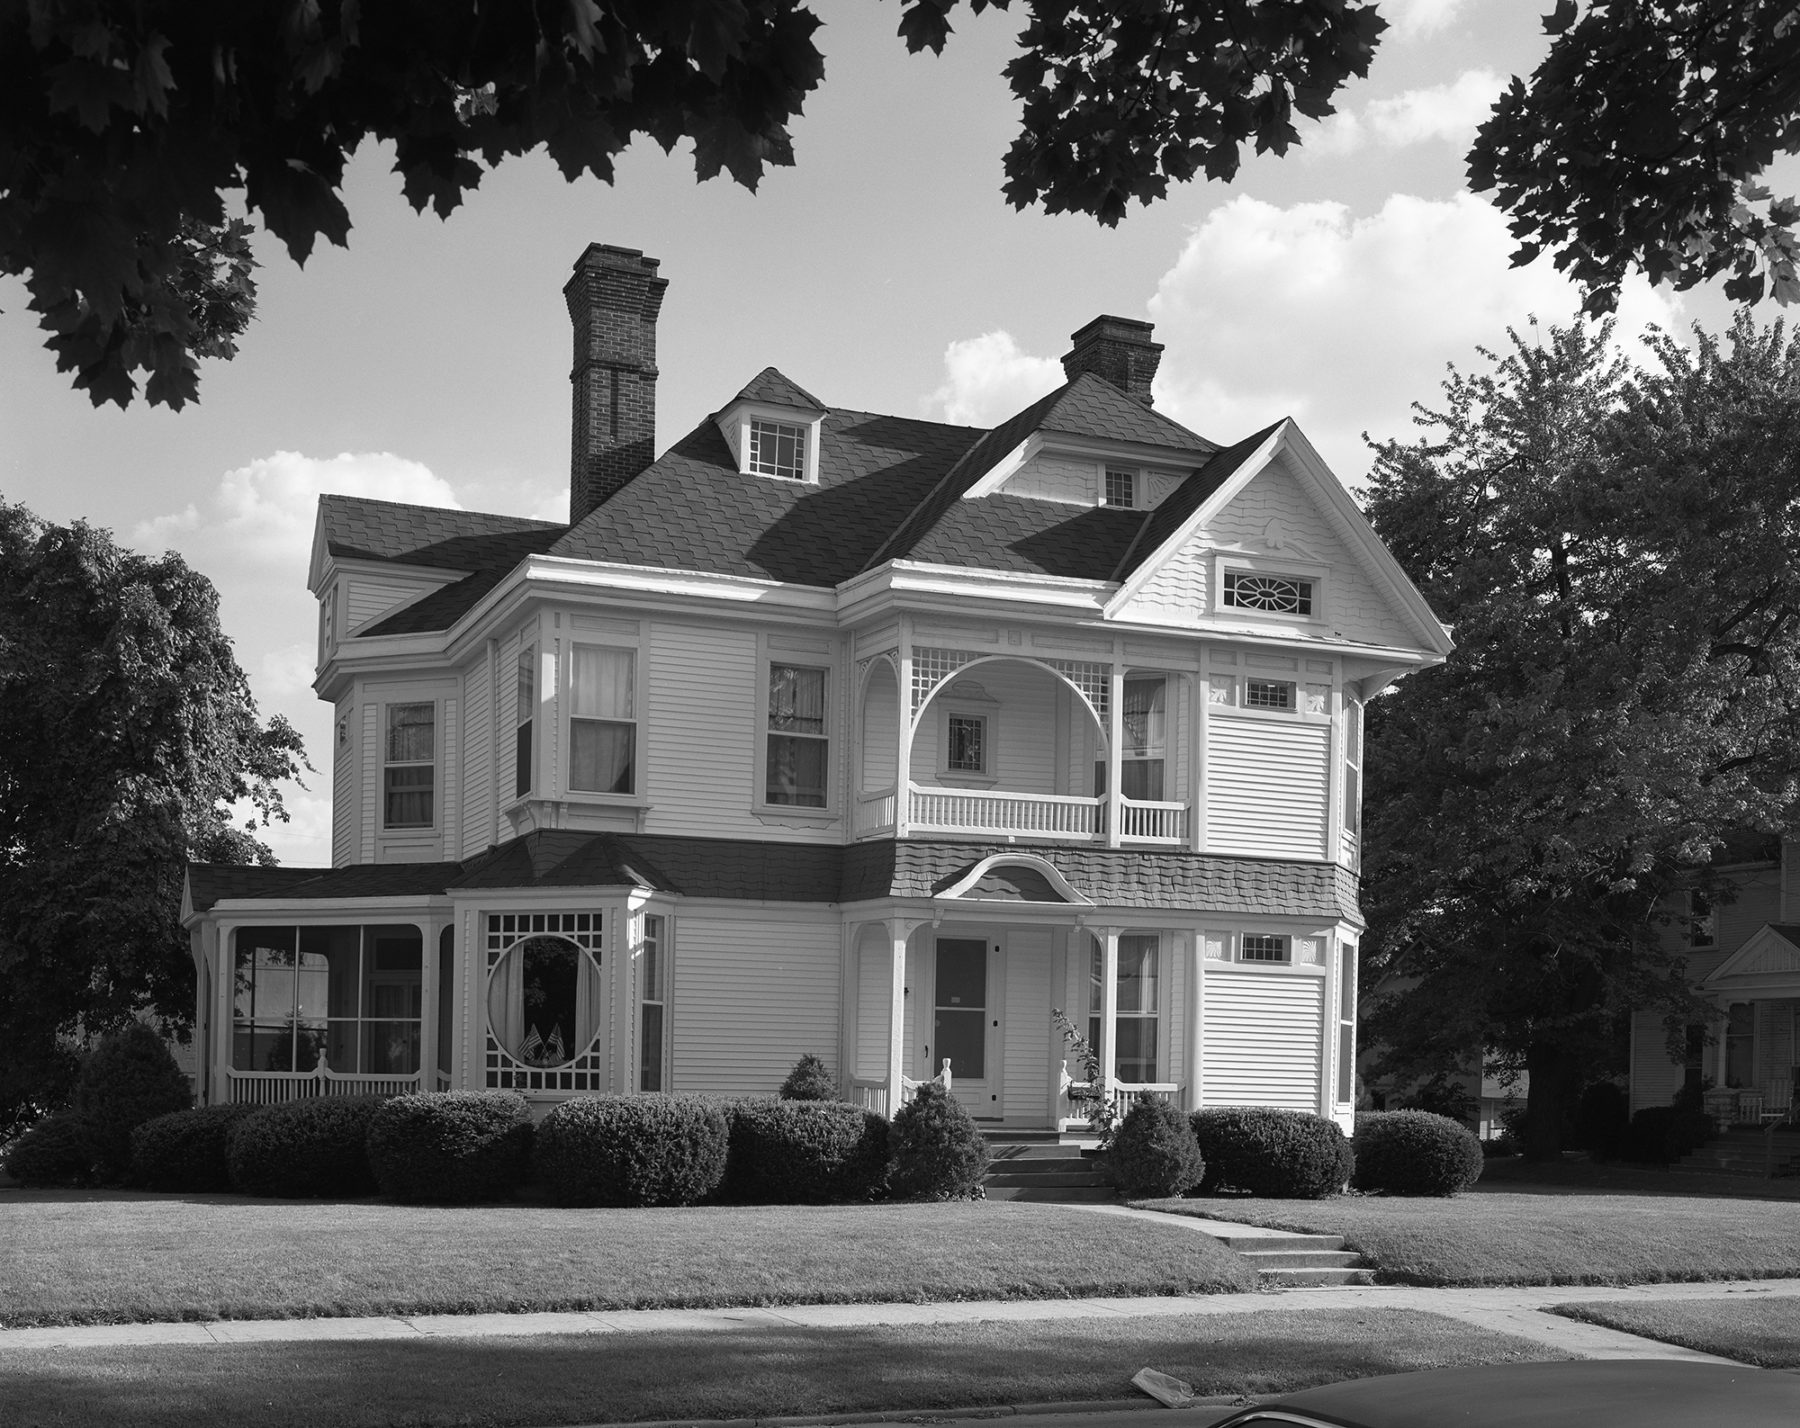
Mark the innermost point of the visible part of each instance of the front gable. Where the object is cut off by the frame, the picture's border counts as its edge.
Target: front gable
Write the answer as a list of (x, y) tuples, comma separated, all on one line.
[(1767, 964), (1280, 515)]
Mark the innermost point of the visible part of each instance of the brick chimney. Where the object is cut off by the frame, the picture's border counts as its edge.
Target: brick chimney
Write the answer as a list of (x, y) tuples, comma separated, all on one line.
[(614, 297), (1118, 349)]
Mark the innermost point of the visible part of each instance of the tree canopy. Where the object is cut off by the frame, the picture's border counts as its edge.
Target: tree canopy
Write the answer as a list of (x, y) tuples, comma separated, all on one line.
[(1612, 549), (133, 133), (126, 730)]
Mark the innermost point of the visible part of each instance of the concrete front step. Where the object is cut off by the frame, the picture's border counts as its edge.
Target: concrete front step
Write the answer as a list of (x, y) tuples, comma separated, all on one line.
[(1314, 1278), (1047, 1179), (1051, 1195), (1268, 1260)]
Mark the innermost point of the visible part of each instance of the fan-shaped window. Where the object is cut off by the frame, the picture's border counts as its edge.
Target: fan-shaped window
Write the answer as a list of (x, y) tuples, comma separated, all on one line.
[(544, 1001)]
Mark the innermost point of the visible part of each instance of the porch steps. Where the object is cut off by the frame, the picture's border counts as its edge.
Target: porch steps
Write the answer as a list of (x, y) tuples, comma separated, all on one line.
[(1287, 1260), (1037, 1166), (1741, 1151)]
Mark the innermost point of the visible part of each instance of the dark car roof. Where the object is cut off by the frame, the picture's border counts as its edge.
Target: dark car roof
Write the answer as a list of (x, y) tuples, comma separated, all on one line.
[(1591, 1393)]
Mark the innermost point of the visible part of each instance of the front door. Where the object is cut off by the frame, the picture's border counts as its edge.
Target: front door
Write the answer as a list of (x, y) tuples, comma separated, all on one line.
[(966, 1024)]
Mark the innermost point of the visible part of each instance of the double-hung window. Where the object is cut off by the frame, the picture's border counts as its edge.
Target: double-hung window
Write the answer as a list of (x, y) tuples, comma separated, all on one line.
[(1143, 741), (409, 772), (522, 721), (798, 745), (602, 720), (1135, 1017), (650, 1061), (1700, 920), (1353, 746)]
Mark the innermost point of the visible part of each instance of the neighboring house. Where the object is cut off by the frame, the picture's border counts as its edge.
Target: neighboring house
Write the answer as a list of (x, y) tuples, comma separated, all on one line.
[(1743, 955), (836, 732)]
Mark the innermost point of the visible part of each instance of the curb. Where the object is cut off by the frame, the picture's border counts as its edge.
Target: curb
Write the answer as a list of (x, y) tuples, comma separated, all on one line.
[(919, 1415)]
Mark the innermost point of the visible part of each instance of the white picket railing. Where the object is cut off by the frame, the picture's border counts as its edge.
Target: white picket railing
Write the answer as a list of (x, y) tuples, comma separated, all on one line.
[(875, 812), (270, 1088), (1141, 821), (872, 1094), (967, 810), (1076, 1097)]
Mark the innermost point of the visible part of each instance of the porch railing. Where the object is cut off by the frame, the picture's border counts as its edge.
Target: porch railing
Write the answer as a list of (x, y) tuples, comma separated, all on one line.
[(1075, 1097), (1142, 821), (269, 1088), (1041, 815), (875, 812), (871, 1093)]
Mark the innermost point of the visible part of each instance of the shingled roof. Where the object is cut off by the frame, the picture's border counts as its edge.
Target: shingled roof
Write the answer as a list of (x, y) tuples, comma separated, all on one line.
[(749, 870), (777, 389), (359, 528)]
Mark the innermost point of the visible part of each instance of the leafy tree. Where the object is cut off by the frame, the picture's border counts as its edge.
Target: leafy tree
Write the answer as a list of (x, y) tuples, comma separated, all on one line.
[(126, 726), (1613, 550), (1639, 141)]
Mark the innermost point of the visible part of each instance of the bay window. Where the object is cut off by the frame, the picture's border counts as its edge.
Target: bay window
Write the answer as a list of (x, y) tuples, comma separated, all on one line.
[(650, 1046), (602, 720), (523, 713), (409, 772)]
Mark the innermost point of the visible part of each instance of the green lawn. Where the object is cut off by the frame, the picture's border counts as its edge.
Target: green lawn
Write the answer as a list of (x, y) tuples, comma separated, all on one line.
[(116, 1256), (605, 1378), (1575, 1225), (1763, 1331)]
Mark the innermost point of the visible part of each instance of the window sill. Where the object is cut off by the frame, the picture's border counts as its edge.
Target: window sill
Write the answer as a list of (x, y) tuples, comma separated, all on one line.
[(956, 779), (794, 814)]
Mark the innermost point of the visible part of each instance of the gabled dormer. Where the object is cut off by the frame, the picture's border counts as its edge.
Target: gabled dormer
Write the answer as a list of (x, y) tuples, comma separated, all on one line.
[(772, 428)]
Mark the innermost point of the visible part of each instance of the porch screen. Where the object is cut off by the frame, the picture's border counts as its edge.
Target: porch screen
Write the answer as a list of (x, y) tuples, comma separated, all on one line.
[(350, 996)]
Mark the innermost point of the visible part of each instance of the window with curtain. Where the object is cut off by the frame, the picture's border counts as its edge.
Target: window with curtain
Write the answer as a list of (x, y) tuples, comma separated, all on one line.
[(1134, 1050), (1143, 741), (524, 711), (651, 1042), (410, 769), (1353, 742), (797, 742), (544, 1001), (602, 720), (1346, 1062)]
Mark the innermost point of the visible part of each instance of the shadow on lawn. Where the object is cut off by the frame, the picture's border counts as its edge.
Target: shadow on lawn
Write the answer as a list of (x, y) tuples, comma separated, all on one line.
[(1577, 1175)]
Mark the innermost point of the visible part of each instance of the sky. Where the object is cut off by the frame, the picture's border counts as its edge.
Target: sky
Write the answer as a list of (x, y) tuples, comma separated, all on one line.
[(428, 362)]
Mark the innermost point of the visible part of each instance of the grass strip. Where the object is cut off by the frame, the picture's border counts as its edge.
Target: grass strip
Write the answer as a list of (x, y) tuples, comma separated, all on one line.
[(622, 1377), (1762, 1331), (1519, 1237), (117, 1257)]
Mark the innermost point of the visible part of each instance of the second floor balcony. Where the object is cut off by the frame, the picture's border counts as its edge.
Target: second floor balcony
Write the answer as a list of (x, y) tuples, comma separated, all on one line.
[(1023, 749)]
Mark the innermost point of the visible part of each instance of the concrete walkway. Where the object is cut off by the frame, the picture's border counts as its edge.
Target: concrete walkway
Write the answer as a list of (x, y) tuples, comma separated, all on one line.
[(1517, 1311)]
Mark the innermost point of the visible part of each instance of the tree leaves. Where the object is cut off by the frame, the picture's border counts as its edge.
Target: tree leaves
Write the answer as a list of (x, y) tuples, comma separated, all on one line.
[(126, 729)]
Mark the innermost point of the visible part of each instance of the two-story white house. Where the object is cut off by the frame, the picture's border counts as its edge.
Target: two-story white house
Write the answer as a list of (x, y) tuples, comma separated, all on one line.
[(836, 732)]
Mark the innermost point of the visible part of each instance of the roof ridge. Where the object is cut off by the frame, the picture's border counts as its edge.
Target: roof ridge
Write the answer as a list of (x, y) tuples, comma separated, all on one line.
[(346, 498)]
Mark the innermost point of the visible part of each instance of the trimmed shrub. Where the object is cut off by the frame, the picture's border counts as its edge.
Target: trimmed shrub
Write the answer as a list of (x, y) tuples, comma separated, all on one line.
[(1662, 1135), (652, 1149), (1154, 1152), (1415, 1153), (58, 1153), (311, 1149), (1287, 1155), (802, 1152), (1601, 1117), (939, 1152), (127, 1079), (451, 1147), (185, 1150), (809, 1081)]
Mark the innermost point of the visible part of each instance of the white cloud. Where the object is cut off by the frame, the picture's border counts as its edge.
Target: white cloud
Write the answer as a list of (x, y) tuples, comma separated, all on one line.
[(1343, 322), (1412, 19), (1449, 112), (987, 379)]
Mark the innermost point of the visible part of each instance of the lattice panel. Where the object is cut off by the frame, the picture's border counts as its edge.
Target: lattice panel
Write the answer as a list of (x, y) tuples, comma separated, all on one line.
[(587, 1071), (1093, 680), (931, 667)]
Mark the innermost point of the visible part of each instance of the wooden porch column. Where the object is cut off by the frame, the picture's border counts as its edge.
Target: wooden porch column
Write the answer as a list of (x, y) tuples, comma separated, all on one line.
[(1115, 725), (903, 667), (898, 927), (1109, 1005), (1193, 1003), (1196, 732)]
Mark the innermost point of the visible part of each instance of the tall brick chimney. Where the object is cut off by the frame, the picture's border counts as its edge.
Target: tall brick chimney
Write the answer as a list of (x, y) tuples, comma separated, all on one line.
[(1118, 349), (614, 297)]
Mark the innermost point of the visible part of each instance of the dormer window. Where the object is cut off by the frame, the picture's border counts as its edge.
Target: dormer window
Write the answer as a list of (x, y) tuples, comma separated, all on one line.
[(1270, 594), (777, 449), (1120, 488)]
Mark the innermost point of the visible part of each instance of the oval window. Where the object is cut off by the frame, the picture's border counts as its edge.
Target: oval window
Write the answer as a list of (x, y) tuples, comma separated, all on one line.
[(544, 1001)]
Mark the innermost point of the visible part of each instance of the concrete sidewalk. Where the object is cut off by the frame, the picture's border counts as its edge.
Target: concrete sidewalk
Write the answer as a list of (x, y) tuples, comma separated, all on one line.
[(1517, 1311)]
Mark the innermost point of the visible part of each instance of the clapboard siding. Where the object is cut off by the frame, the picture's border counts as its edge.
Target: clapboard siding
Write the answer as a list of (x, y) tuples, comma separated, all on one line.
[(874, 957), (478, 762), (701, 706), (880, 729), (366, 597), (1025, 1079), (1020, 703), (1266, 786), (343, 785), (751, 997), (1654, 1077), (1262, 1037)]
